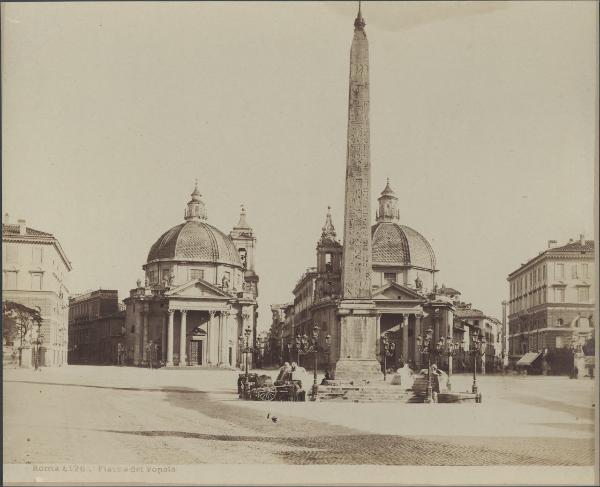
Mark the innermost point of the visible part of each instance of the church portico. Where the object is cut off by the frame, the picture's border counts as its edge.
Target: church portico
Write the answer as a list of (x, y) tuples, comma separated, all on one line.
[(201, 336), (402, 326)]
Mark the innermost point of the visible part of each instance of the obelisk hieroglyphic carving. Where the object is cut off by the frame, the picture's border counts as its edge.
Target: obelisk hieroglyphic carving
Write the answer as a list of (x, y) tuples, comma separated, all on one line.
[(358, 325), (356, 274)]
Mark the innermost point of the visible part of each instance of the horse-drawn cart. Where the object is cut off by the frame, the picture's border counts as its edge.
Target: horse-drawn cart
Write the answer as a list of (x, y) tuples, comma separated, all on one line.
[(263, 388)]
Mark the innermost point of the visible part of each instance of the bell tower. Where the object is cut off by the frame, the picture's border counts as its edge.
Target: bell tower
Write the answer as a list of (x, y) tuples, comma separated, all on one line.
[(245, 243), (329, 262)]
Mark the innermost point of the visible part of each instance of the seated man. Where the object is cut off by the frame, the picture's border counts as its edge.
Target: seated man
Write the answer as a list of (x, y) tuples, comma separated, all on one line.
[(285, 373)]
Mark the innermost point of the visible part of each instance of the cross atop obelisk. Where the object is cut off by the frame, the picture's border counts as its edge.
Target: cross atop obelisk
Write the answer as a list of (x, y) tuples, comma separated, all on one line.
[(358, 325)]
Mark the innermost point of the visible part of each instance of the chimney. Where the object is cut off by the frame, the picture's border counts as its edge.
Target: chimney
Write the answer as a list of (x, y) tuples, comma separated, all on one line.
[(582, 239), (22, 227), (551, 244)]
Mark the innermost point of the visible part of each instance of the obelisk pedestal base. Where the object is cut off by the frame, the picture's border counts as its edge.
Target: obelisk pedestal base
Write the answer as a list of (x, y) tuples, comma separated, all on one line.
[(358, 327), (358, 370)]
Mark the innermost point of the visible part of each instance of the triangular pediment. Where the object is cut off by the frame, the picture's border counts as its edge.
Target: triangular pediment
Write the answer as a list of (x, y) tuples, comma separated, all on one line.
[(198, 288), (396, 292)]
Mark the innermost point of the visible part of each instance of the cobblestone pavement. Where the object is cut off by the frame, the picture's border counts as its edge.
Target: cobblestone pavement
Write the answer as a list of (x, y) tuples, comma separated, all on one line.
[(112, 415)]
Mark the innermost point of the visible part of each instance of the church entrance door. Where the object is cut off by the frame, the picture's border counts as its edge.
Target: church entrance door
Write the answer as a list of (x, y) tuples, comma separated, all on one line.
[(195, 352)]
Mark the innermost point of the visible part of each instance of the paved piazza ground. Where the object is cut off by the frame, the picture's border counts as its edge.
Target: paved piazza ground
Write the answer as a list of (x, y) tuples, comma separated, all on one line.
[(112, 415)]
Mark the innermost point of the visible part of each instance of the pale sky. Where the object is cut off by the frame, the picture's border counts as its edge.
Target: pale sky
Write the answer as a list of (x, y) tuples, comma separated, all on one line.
[(482, 116)]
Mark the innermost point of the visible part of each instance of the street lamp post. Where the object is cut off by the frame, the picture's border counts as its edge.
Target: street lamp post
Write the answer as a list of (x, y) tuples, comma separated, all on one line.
[(447, 346), (246, 349), (388, 350), (37, 347), (478, 344), (306, 345), (425, 348)]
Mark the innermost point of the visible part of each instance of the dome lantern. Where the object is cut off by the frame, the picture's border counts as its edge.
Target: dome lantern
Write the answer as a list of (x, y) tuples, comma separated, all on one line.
[(387, 205), (195, 208)]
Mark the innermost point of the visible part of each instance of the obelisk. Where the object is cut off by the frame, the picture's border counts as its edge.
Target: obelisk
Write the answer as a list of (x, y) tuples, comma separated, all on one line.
[(358, 327)]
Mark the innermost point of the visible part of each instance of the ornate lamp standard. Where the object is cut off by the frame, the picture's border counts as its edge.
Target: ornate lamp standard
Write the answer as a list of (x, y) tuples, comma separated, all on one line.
[(577, 352), (246, 349), (425, 348), (478, 344), (389, 348), (291, 347), (37, 344), (447, 346), (306, 345)]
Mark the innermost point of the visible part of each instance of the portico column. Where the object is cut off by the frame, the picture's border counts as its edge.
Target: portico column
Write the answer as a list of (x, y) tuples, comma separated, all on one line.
[(163, 340), (137, 342), (224, 339), (182, 338), (417, 334), (378, 336), (209, 337), (404, 337), (170, 339), (145, 338)]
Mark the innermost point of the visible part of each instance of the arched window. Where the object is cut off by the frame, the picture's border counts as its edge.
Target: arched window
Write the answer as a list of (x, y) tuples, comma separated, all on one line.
[(243, 257), (328, 263)]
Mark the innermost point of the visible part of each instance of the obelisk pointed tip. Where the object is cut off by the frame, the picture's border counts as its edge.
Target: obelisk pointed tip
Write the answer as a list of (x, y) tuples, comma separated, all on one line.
[(359, 22)]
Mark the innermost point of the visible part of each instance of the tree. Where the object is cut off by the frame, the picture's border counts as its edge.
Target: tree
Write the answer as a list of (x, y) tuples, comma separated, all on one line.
[(19, 321), (590, 346)]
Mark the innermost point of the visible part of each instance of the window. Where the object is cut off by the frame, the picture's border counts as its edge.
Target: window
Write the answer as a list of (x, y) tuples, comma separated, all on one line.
[(328, 263), (12, 253), (574, 271), (559, 342), (559, 295), (389, 276), (10, 280), (559, 272), (585, 270), (36, 281), (584, 294), (197, 273), (243, 257), (535, 277), (544, 271), (37, 256)]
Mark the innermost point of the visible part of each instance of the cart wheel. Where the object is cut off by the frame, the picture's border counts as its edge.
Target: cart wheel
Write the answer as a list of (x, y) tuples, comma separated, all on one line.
[(269, 395)]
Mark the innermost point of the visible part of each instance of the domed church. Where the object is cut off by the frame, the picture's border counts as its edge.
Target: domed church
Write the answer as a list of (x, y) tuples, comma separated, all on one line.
[(199, 294), (403, 281)]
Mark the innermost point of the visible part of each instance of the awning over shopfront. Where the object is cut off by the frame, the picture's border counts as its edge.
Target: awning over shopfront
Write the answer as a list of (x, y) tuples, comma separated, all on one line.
[(527, 359)]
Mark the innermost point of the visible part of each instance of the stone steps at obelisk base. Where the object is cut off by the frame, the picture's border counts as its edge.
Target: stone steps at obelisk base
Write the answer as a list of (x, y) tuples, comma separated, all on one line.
[(370, 393)]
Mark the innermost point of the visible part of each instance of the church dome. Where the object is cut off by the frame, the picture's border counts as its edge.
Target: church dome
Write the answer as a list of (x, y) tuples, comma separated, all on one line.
[(196, 241), (401, 245)]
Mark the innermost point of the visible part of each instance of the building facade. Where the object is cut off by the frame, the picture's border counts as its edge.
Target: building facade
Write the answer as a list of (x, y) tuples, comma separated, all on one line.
[(199, 295), (35, 273), (552, 298), (96, 328), (474, 322)]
